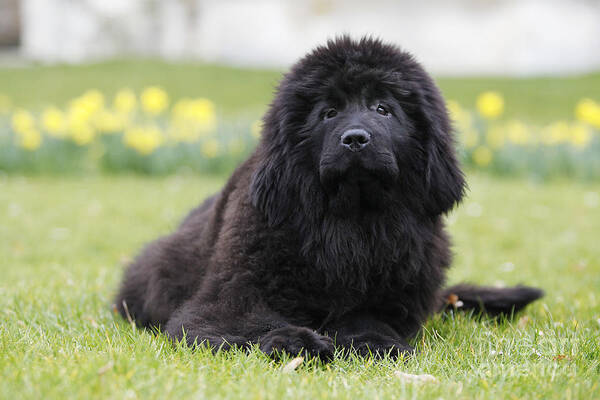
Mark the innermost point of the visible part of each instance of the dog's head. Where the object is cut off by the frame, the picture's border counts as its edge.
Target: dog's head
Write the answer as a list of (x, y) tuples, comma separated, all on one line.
[(361, 124)]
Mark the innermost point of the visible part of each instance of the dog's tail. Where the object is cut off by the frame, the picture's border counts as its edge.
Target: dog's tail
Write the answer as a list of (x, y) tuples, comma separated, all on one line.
[(489, 300)]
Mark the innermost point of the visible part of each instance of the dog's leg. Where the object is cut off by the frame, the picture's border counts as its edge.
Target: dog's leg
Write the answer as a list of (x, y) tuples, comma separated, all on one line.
[(159, 280), (367, 335), (222, 325)]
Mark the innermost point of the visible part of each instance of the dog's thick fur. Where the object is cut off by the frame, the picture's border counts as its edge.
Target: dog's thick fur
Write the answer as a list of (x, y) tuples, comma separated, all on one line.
[(317, 238)]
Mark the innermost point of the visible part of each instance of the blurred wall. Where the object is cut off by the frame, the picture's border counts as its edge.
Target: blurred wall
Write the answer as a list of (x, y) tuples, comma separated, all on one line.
[(9, 23), (451, 37)]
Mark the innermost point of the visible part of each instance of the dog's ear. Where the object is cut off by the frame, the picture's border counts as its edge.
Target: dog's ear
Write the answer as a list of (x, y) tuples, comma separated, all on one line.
[(266, 191), (272, 188), (444, 179)]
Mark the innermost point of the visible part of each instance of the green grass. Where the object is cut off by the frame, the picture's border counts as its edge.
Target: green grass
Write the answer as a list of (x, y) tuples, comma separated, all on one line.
[(540, 100), (234, 90), (63, 243), (249, 91)]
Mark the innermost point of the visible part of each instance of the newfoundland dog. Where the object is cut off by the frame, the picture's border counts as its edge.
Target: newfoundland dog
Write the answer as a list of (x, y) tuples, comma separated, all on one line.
[(332, 232)]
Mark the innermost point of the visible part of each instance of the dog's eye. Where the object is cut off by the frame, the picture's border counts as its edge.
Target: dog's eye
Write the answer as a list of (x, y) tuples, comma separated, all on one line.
[(382, 110), (330, 113)]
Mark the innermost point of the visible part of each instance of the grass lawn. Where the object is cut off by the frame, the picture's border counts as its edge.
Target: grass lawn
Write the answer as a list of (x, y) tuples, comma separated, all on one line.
[(243, 91), (63, 242)]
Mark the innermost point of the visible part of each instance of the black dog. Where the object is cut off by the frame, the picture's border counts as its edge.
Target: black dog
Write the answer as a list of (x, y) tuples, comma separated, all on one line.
[(332, 229)]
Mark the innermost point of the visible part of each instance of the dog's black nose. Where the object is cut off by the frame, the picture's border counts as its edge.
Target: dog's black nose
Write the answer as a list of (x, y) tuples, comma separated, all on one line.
[(355, 139)]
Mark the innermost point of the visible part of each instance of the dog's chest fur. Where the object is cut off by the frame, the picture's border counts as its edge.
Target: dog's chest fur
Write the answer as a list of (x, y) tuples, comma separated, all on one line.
[(341, 265)]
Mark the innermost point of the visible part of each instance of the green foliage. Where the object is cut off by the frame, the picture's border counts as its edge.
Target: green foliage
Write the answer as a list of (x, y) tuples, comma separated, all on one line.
[(511, 147), (152, 138), (541, 127), (155, 138)]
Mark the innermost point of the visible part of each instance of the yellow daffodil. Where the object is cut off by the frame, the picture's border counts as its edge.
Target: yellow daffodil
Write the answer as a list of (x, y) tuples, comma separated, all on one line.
[(555, 133), (154, 100), (193, 118), (125, 101), (81, 110), (92, 101), (81, 133), (454, 109), (79, 118), (482, 156), (30, 139), (180, 109), (210, 148), (22, 121), (587, 110), (461, 119), (490, 104), (203, 112), (108, 122), (518, 133), (54, 122), (256, 129), (144, 140), (579, 135)]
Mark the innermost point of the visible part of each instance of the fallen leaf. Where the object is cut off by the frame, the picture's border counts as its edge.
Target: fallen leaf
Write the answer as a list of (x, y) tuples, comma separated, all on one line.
[(106, 368), (454, 301), (523, 321), (92, 322), (292, 365), (415, 378)]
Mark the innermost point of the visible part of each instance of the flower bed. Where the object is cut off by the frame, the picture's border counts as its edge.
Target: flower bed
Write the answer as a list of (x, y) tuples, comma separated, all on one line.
[(149, 133)]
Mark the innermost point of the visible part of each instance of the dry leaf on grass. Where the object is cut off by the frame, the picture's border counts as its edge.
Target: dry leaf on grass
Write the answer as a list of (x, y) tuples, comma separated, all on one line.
[(560, 357), (523, 321), (292, 365), (415, 378), (454, 301), (106, 368)]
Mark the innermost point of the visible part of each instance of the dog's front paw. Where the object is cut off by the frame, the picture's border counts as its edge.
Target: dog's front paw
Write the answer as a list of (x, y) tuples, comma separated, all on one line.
[(296, 340), (373, 344)]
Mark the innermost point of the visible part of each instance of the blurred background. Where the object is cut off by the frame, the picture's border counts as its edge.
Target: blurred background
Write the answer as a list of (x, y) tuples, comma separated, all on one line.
[(159, 87), (460, 37)]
